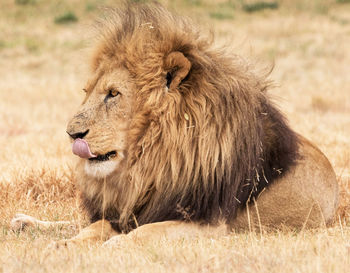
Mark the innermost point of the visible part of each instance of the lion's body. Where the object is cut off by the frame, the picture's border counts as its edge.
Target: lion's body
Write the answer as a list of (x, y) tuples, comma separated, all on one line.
[(194, 135), (306, 196)]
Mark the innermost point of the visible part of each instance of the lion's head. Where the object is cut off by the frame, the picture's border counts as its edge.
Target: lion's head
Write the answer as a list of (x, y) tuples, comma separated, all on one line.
[(175, 127)]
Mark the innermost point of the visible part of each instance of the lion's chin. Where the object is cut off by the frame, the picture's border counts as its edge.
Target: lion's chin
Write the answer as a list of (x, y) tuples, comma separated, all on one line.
[(100, 169)]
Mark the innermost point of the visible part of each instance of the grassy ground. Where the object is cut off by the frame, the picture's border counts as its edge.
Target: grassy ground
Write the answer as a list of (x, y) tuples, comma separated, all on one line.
[(43, 51)]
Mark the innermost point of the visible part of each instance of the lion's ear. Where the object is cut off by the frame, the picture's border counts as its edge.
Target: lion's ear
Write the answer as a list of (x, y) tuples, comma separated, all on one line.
[(177, 67)]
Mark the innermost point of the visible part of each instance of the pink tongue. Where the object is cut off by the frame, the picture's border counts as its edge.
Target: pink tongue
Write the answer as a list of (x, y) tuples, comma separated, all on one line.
[(81, 148)]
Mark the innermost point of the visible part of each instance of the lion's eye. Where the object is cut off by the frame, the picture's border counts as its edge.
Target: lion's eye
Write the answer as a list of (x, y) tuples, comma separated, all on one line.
[(111, 94)]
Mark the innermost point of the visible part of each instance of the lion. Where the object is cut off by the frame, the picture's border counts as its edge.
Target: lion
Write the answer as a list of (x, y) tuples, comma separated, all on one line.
[(175, 134)]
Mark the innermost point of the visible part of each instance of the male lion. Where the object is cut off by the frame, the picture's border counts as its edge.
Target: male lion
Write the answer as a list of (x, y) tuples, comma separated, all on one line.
[(174, 134)]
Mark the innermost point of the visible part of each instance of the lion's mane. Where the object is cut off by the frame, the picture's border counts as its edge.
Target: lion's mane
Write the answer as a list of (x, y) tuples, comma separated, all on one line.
[(202, 151)]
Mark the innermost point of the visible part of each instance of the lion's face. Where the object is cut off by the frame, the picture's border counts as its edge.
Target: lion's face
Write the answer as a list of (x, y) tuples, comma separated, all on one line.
[(99, 128)]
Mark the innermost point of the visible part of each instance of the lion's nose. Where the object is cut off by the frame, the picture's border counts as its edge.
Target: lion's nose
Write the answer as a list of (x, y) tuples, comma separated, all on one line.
[(77, 135)]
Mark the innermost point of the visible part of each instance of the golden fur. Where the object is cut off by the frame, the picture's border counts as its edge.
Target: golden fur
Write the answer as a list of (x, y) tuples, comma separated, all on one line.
[(195, 134), (205, 131)]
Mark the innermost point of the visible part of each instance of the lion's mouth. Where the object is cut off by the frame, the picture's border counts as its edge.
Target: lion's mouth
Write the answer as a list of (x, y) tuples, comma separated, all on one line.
[(104, 157), (81, 148)]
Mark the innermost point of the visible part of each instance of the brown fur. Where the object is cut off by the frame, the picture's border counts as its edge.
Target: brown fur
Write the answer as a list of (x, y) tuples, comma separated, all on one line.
[(196, 135), (204, 148)]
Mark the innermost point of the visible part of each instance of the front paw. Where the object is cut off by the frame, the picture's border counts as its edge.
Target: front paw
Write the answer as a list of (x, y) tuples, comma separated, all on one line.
[(116, 240), (22, 221)]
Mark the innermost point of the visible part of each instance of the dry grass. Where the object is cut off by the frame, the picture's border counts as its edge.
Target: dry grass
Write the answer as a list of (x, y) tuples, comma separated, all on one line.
[(316, 251), (43, 68)]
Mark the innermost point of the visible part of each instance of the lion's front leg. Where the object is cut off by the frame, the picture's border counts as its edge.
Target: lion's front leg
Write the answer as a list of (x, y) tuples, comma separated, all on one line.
[(99, 231), (171, 230), (22, 221)]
